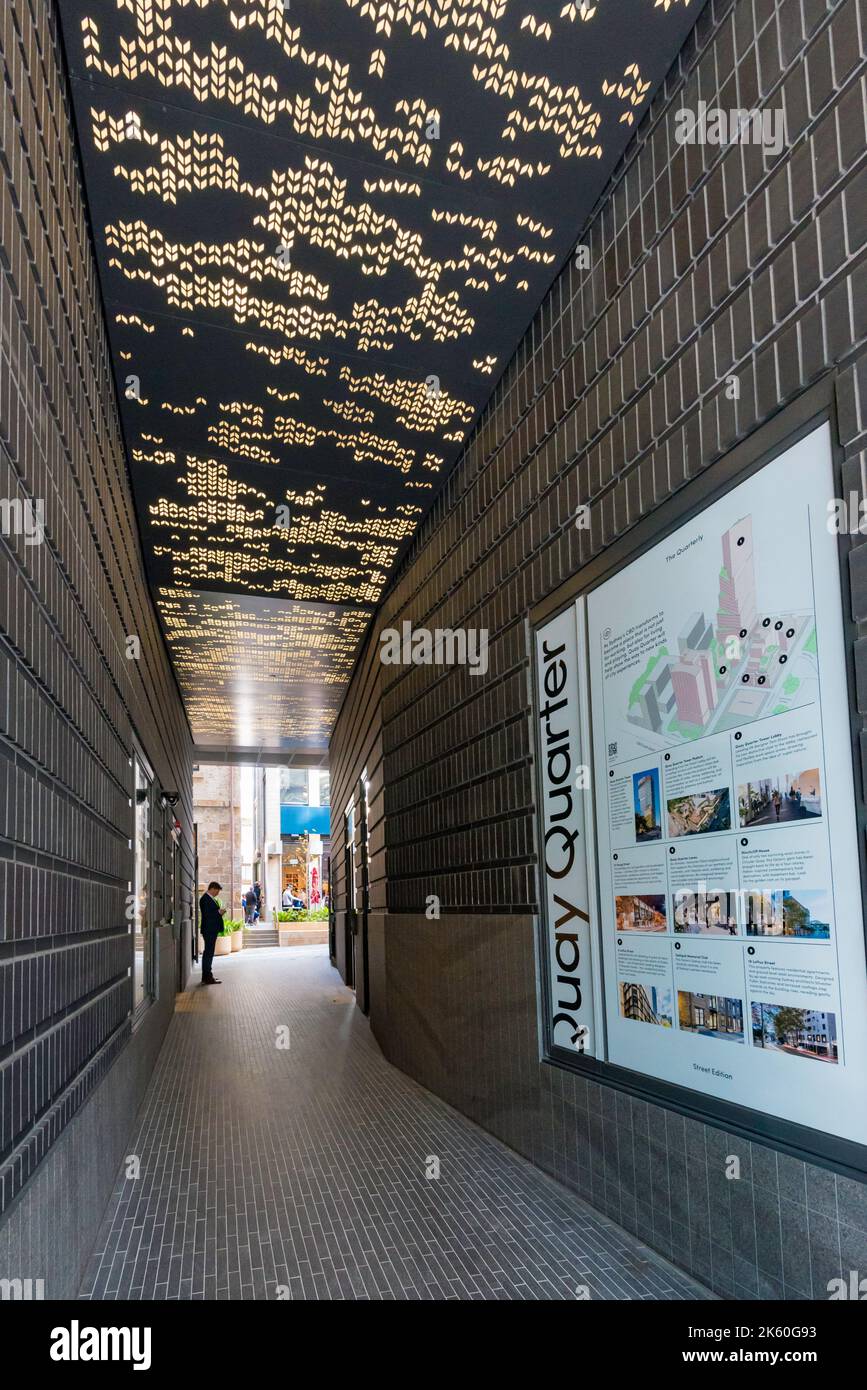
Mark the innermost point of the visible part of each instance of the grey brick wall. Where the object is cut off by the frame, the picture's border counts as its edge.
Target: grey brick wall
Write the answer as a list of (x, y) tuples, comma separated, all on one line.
[(705, 261), (69, 698)]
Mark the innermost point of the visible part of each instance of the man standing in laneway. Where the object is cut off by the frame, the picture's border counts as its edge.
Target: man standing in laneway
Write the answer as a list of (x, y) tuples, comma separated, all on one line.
[(212, 925)]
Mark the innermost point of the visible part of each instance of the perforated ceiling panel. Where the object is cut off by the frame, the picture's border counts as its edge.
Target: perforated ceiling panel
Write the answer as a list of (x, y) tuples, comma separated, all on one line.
[(242, 662), (322, 227)]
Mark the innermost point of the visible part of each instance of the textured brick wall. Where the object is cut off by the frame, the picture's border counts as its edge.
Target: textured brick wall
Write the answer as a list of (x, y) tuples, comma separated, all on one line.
[(217, 812), (69, 697), (705, 261)]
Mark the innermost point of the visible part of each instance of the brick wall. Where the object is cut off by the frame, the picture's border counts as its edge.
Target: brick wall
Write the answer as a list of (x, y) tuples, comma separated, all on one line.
[(704, 261), (70, 700), (217, 811)]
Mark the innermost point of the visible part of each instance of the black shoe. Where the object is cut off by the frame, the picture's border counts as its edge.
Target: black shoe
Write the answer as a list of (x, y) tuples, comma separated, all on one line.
[(210, 980)]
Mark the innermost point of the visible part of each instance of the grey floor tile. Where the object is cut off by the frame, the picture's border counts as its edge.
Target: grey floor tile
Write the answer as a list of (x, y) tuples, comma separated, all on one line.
[(301, 1173)]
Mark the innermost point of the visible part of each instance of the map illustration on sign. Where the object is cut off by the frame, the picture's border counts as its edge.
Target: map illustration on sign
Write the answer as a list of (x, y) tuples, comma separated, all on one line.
[(731, 662)]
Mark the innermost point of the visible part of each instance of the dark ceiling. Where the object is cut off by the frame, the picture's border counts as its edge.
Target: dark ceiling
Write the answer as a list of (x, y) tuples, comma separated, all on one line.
[(322, 227)]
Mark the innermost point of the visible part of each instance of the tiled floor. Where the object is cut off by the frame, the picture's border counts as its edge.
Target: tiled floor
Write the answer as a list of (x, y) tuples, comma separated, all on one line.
[(269, 1171)]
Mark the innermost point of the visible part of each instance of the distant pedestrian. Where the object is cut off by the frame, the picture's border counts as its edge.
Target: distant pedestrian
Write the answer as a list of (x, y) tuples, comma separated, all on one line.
[(212, 925), (778, 802), (257, 889), (250, 904)]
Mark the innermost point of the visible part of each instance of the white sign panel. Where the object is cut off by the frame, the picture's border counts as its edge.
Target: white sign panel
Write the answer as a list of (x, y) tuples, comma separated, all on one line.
[(564, 796), (731, 915)]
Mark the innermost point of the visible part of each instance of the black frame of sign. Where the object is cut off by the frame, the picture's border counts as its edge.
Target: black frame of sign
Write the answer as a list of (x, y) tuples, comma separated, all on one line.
[(814, 407)]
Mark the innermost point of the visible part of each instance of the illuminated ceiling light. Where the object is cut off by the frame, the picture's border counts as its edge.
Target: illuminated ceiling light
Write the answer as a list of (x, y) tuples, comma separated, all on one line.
[(305, 326)]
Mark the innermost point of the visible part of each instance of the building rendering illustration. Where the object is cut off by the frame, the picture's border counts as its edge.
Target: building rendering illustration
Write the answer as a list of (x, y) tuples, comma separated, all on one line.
[(729, 668), (737, 585)]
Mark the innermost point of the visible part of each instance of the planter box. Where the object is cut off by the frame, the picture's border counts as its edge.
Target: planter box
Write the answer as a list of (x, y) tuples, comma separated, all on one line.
[(303, 933), (237, 940), (224, 946)]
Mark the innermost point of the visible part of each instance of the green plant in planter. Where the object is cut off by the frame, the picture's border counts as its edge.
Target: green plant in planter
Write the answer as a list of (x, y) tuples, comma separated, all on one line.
[(303, 914)]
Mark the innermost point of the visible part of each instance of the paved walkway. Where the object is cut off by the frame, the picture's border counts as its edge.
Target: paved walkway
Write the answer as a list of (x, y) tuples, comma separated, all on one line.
[(299, 1172)]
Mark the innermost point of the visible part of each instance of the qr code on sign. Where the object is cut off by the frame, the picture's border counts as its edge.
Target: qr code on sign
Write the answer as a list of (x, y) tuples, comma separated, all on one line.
[(612, 750)]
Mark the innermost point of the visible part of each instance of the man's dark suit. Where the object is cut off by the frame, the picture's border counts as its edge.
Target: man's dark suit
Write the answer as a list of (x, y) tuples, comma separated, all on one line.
[(212, 925)]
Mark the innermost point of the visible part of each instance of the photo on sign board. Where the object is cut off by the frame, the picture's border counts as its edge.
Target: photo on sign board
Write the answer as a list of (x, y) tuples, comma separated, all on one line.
[(803, 913), (800, 1032), (711, 1015), (706, 913), (641, 912), (780, 800), (645, 1004), (700, 813), (646, 803)]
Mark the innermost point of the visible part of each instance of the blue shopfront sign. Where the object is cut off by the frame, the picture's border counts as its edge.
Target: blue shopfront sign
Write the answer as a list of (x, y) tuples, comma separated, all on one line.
[(296, 820)]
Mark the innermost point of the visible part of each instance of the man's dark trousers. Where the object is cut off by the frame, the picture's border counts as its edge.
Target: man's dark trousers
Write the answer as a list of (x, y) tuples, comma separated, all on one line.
[(210, 939)]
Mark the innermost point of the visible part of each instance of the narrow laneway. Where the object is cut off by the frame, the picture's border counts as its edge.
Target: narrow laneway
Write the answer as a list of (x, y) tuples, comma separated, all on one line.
[(268, 1171)]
